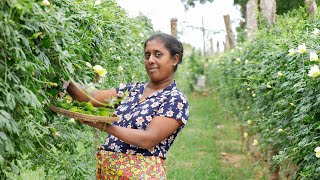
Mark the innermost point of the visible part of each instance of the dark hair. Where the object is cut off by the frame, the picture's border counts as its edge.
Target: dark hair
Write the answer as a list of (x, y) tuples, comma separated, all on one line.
[(171, 43)]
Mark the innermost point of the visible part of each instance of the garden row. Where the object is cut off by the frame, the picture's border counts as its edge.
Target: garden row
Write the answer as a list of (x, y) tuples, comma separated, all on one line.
[(274, 84)]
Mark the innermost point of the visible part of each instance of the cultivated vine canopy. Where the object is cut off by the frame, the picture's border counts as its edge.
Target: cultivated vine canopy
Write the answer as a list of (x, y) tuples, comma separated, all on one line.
[(41, 43), (273, 82)]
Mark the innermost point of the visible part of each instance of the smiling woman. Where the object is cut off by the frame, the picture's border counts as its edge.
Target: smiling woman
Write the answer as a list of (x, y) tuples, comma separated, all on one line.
[(162, 55), (151, 116)]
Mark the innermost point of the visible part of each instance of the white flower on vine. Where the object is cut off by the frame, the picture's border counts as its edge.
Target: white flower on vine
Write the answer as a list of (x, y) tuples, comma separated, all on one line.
[(314, 56), (316, 31), (245, 134), (57, 134), (71, 120), (255, 142), (120, 68), (45, 3), (97, 2), (88, 65), (314, 71), (279, 74), (292, 52), (280, 130), (317, 151), (302, 48), (99, 70), (269, 86)]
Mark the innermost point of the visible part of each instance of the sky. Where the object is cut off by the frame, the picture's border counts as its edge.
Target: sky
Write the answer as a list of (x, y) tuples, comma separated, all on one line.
[(160, 12)]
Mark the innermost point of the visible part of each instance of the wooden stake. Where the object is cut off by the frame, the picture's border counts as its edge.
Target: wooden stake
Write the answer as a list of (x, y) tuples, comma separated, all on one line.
[(268, 10), (311, 7), (211, 46), (251, 18), (230, 36), (173, 23)]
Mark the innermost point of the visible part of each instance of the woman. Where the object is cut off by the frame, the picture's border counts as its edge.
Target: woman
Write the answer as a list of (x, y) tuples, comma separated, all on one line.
[(151, 116)]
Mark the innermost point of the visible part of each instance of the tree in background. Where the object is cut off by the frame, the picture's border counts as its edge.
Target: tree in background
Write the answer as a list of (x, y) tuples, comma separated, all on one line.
[(283, 6), (192, 3)]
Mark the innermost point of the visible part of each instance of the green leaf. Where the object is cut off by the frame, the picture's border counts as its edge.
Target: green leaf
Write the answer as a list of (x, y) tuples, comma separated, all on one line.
[(70, 67), (1, 103), (1, 159), (8, 122), (9, 147), (46, 42), (11, 103), (3, 136)]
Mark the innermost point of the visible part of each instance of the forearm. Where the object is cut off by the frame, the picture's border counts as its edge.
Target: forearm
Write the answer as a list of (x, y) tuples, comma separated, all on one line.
[(136, 137), (77, 92), (96, 97), (159, 129)]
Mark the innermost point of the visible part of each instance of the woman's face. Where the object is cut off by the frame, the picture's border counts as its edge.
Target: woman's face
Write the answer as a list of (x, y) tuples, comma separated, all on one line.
[(158, 61)]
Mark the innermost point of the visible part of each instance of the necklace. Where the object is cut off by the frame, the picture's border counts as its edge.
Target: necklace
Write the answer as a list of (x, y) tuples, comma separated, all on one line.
[(150, 90), (147, 91)]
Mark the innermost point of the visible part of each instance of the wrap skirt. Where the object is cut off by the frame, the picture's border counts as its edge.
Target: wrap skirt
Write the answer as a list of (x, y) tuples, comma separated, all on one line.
[(115, 165)]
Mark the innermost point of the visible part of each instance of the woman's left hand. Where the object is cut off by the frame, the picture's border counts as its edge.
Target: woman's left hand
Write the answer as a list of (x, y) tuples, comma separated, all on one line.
[(98, 125)]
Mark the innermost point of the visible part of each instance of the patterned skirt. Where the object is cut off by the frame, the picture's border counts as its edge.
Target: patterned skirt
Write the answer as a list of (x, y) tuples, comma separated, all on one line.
[(114, 165)]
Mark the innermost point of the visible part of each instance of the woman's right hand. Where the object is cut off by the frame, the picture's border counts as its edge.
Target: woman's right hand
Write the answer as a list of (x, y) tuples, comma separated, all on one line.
[(65, 84), (96, 97)]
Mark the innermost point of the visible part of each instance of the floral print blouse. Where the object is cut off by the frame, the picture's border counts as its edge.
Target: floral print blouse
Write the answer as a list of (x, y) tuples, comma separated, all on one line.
[(168, 102)]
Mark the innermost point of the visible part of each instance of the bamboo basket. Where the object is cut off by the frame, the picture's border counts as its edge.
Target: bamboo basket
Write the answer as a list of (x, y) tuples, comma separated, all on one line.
[(83, 117)]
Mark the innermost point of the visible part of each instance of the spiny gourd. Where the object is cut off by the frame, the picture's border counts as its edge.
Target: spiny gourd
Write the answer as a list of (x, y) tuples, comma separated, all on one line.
[(83, 107)]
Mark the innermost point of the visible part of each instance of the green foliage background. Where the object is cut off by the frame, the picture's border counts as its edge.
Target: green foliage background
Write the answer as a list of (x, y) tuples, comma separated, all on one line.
[(39, 45), (283, 6), (191, 67), (249, 76)]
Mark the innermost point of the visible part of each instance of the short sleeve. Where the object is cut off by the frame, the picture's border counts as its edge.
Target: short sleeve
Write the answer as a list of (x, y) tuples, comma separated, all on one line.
[(175, 107), (122, 88)]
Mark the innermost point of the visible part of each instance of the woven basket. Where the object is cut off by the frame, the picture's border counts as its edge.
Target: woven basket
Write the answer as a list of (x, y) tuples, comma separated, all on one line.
[(83, 117)]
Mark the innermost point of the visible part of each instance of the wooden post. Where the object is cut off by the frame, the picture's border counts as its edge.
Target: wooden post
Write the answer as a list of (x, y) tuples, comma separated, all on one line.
[(268, 10), (230, 36), (218, 47), (204, 41), (211, 46), (251, 18), (173, 23), (204, 48), (311, 7), (227, 43)]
